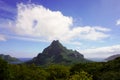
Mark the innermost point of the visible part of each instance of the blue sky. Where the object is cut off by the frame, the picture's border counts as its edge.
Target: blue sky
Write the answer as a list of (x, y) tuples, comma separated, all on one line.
[(89, 26)]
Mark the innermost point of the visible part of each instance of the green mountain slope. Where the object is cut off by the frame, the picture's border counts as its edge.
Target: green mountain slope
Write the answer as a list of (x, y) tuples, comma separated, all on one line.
[(56, 53), (8, 58)]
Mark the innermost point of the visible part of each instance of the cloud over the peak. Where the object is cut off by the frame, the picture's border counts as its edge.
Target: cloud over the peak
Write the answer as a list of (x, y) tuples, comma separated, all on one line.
[(36, 21), (102, 52)]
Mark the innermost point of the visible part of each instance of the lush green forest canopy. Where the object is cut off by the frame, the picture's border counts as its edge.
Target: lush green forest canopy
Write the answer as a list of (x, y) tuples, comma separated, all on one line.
[(83, 71)]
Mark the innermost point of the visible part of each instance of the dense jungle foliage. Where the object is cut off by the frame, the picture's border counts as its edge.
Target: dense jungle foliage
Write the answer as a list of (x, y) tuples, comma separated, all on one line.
[(83, 71)]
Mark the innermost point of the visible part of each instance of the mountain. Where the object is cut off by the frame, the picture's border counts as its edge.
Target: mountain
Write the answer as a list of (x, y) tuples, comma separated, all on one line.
[(112, 57), (9, 59), (24, 59), (56, 53)]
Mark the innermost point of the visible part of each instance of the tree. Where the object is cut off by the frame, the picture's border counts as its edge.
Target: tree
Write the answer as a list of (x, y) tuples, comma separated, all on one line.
[(4, 71), (80, 76), (58, 72)]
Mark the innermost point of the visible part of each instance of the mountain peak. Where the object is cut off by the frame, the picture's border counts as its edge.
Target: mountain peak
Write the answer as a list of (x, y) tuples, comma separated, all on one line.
[(55, 48), (56, 43), (57, 53)]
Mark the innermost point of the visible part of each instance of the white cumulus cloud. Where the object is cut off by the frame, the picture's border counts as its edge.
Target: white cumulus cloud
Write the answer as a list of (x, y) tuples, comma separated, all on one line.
[(102, 52), (36, 21), (118, 22), (2, 37), (90, 33)]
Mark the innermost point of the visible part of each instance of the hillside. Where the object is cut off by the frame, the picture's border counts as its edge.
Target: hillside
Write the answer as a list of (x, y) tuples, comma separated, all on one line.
[(56, 53), (112, 57), (9, 59)]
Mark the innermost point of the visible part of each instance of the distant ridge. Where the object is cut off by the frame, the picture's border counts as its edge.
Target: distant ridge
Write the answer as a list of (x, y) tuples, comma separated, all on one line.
[(56, 53), (9, 59), (112, 57)]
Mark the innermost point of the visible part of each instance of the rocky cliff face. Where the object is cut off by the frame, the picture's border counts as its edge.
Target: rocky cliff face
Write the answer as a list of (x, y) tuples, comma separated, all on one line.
[(56, 53)]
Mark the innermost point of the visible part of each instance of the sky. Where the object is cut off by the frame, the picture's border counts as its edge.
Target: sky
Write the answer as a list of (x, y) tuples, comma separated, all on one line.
[(88, 26)]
